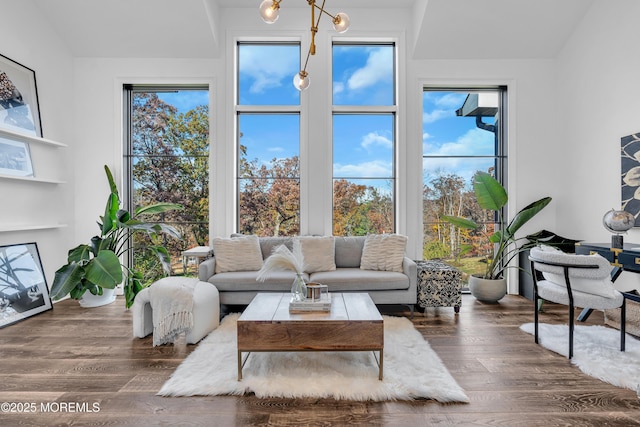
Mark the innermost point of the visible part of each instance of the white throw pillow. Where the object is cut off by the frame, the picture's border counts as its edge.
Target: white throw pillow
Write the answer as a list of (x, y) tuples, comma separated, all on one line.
[(383, 252), (237, 254), (318, 252)]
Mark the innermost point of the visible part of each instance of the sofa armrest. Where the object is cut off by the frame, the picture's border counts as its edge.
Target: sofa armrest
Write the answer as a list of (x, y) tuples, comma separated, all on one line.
[(410, 268), (141, 314), (206, 269)]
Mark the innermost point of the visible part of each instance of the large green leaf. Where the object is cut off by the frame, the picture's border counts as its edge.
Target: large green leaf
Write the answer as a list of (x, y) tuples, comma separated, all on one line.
[(66, 279), (158, 208), (104, 270), (110, 210), (489, 192), (526, 214), (112, 182), (79, 253), (163, 255), (460, 222), (150, 228)]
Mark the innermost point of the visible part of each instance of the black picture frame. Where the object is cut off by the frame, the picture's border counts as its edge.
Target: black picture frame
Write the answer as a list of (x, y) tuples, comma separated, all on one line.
[(19, 106), (23, 285)]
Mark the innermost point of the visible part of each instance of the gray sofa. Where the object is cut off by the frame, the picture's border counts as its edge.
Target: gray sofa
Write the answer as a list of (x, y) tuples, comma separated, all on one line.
[(384, 287)]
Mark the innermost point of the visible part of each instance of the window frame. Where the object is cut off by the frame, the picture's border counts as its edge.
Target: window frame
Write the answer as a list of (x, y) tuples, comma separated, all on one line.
[(500, 155), (392, 109), (262, 109)]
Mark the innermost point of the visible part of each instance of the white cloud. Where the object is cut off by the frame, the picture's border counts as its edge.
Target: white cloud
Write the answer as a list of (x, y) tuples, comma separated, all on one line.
[(425, 136), (373, 169), (374, 138), (267, 73), (445, 105), (379, 67), (435, 115), (338, 87), (451, 100), (473, 142)]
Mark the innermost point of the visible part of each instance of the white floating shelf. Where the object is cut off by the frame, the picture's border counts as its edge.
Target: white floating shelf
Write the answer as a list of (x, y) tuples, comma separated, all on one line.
[(32, 179), (27, 227), (29, 138)]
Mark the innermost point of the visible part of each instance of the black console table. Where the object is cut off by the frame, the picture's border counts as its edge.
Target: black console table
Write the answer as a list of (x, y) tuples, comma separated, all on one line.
[(626, 258)]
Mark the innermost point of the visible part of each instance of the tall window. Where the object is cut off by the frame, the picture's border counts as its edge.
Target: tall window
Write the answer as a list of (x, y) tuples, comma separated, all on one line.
[(167, 160), (268, 139), (364, 138), (462, 134)]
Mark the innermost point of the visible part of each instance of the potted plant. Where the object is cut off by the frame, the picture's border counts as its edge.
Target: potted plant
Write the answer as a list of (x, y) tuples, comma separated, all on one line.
[(491, 195), (96, 266)]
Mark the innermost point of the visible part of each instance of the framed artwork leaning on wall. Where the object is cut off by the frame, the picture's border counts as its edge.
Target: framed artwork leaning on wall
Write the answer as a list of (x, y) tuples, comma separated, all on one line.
[(23, 287), (19, 110)]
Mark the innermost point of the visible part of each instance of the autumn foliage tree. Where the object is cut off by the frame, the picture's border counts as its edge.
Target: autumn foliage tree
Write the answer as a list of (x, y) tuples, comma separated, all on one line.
[(170, 152)]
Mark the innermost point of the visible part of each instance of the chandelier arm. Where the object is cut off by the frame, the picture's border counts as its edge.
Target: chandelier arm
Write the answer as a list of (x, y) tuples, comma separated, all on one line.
[(323, 11)]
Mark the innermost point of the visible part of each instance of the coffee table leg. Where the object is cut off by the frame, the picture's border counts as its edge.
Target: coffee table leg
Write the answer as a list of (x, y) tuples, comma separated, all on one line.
[(239, 365), (380, 374)]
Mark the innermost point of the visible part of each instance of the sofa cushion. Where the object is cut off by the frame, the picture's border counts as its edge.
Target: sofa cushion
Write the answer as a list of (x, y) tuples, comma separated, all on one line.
[(357, 280), (269, 244), (383, 252), (348, 251), (318, 252), (240, 253), (243, 281)]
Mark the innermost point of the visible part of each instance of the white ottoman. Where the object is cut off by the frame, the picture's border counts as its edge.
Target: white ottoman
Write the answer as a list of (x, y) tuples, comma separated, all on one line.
[(206, 311)]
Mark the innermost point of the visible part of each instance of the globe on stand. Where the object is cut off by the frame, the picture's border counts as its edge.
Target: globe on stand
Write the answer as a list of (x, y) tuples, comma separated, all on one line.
[(618, 222)]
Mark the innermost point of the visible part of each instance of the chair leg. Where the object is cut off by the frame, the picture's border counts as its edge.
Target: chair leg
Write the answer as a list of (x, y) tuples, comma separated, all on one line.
[(571, 314), (535, 319), (623, 323)]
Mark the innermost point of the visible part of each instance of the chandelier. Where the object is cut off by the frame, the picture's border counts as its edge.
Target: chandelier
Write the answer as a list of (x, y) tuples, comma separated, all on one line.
[(269, 11)]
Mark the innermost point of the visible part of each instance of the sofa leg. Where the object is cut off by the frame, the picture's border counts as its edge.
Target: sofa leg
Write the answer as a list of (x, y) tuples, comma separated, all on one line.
[(411, 307)]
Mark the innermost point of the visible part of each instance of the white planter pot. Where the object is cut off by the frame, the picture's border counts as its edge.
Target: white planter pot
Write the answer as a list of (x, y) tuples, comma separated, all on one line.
[(89, 300), (487, 290)]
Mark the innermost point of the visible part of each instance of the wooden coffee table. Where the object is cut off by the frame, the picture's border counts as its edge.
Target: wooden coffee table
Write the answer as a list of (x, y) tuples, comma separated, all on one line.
[(353, 324)]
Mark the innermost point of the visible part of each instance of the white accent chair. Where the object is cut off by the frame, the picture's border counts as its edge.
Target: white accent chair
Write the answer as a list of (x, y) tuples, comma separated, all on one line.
[(574, 280), (206, 312)]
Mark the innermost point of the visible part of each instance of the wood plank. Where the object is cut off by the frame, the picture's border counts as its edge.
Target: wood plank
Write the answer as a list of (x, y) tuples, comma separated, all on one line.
[(509, 379), (359, 306)]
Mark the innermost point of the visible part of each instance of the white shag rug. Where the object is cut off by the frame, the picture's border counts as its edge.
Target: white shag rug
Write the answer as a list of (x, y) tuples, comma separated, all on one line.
[(411, 370), (596, 351)]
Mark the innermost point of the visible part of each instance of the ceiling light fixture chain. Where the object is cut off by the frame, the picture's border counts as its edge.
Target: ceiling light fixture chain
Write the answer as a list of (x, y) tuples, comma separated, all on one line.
[(270, 11)]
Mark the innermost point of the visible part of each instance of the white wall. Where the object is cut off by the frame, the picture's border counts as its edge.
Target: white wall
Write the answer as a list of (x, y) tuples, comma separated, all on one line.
[(27, 38), (598, 103)]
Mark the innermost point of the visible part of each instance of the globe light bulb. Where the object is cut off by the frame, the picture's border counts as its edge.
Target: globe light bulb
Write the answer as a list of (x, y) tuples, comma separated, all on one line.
[(301, 80), (269, 11), (341, 22)]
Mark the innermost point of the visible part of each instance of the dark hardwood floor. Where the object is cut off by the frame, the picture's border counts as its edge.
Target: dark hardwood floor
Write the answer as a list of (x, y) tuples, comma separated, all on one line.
[(75, 366)]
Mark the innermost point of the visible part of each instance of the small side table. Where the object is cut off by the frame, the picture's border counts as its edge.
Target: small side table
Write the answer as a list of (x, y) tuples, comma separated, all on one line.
[(439, 285), (199, 253)]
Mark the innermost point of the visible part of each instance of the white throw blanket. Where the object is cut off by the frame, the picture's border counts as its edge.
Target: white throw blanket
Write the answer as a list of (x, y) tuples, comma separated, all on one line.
[(171, 301)]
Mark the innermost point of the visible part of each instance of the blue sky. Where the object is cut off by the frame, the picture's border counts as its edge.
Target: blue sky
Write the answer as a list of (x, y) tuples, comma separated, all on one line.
[(445, 134), (363, 144)]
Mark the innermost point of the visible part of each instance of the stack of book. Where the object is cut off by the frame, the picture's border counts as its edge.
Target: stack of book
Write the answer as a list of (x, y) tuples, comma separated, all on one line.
[(322, 304)]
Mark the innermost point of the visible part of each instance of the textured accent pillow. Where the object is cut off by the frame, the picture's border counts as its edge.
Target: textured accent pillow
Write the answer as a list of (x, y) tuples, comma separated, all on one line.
[(383, 252), (237, 254), (318, 252)]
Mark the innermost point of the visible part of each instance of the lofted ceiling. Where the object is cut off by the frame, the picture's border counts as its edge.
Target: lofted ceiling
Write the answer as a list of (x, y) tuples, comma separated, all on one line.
[(440, 29)]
